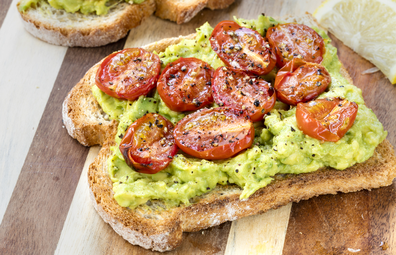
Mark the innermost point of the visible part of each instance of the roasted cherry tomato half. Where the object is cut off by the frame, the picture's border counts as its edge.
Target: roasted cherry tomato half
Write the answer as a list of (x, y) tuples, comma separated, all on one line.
[(295, 41), (236, 89), (148, 145), (326, 119), (184, 85), (299, 81), (216, 133), (129, 73), (242, 48)]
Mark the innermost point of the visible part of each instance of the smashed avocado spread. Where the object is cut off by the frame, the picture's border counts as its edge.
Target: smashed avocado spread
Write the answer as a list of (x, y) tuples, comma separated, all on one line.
[(279, 146), (100, 7)]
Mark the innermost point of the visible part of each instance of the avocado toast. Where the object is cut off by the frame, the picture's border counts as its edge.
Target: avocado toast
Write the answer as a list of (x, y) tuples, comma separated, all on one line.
[(157, 226)]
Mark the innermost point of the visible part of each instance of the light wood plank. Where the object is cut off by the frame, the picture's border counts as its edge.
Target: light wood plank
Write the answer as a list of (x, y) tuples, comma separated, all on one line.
[(83, 228), (259, 234), (28, 69)]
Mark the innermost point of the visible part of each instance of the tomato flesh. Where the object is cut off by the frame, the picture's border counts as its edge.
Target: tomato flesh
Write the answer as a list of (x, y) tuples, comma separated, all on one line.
[(148, 145), (295, 41), (129, 73), (237, 89), (299, 81), (185, 84), (216, 133), (242, 48), (326, 119)]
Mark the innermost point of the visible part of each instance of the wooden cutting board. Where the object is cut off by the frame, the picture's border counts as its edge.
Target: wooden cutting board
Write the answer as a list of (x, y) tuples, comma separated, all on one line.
[(44, 203)]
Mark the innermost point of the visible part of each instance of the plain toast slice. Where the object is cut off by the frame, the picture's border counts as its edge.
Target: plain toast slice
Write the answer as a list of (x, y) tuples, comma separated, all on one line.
[(182, 11)]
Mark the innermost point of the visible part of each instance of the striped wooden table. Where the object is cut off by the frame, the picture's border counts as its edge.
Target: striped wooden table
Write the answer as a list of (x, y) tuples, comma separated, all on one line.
[(44, 204)]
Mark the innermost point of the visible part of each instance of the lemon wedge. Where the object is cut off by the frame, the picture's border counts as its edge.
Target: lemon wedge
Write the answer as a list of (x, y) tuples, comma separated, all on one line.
[(366, 26)]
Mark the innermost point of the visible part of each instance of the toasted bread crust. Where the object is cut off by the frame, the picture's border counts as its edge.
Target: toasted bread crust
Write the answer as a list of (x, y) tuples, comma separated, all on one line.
[(82, 115), (182, 11), (158, 229), (161, 230), (81, 30)]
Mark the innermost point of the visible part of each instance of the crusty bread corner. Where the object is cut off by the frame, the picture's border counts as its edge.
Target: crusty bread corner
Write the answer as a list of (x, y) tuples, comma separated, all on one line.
[(181, 11), (75, 29), (153, 227), (82, 115)]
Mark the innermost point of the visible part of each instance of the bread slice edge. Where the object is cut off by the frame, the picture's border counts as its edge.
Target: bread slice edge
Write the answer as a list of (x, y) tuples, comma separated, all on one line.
[(73, 29)]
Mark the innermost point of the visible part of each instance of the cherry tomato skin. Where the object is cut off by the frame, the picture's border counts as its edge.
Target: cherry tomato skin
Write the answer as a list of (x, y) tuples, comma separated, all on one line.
[(185, 84), (299, 81), (236, 89), (148, 145), (326, 119), (129, 73), (295, 41), (242, 48), (216, 133)]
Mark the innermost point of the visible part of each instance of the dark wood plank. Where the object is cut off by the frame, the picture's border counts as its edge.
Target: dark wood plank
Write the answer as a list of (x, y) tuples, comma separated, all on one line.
[(362, 221), (329, 225), (40, 202), (4, 7), (332, 224), (382, 218), (207, 241)]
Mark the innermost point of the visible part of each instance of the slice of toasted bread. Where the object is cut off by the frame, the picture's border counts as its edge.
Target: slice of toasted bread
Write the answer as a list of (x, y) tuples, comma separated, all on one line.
[(182, 11), (75, 29), (153, 227)]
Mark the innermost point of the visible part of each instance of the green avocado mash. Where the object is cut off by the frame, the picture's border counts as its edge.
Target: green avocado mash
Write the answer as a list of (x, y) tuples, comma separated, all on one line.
[(279, 147), (100, 7)]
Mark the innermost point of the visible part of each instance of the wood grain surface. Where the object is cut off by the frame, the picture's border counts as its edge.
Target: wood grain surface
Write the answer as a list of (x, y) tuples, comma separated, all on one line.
[(28, 69), (259, 234), (44, 201), (46, 184)]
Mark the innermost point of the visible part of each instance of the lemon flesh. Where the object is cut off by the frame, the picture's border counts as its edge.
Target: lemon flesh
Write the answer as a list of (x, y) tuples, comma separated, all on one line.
[(366, 26)]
